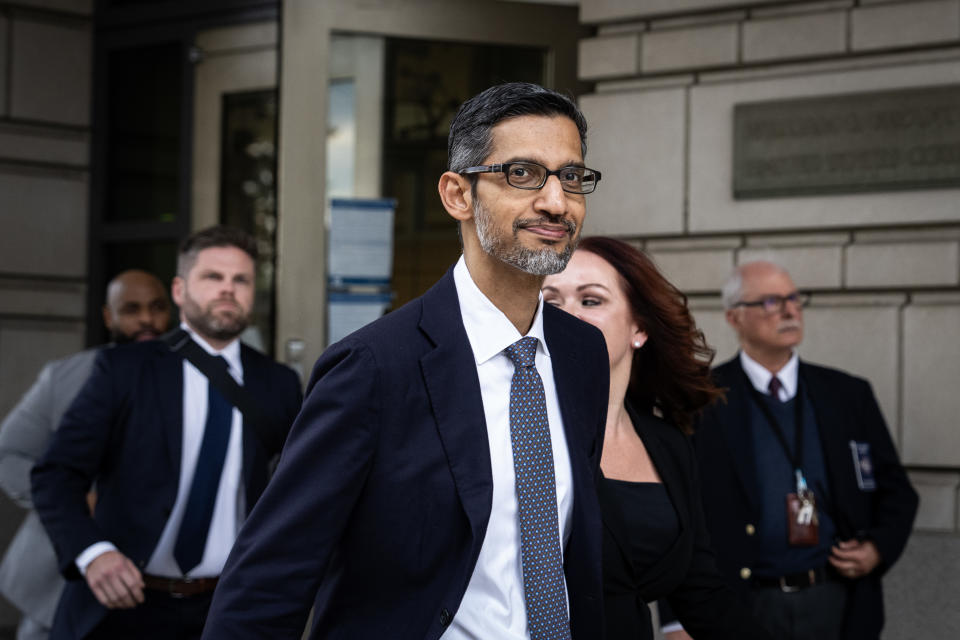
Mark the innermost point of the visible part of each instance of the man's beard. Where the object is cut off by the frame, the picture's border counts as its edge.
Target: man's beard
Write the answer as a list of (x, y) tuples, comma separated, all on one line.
[(119, 337), (543, 262), (210, 325)]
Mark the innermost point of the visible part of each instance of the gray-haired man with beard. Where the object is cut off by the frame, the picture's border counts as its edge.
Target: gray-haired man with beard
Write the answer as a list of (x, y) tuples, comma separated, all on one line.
[(177, 465), (440, 479)]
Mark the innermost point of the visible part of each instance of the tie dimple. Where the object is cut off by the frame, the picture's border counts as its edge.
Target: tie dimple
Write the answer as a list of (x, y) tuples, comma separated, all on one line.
[(543, 581)]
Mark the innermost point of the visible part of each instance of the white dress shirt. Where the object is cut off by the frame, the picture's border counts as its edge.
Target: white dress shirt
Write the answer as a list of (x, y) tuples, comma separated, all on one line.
[(760, 376), (229, 507), (493, 605)]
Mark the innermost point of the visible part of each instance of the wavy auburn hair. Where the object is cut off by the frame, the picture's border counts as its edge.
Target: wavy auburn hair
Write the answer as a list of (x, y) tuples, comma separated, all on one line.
[(671, 372)]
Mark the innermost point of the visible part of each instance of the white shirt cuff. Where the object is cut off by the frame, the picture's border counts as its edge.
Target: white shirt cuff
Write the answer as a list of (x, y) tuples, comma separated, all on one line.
[(671, 627), (91, 553)]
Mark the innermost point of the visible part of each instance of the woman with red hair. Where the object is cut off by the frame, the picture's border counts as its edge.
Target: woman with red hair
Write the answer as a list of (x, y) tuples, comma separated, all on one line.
[(655, 540)]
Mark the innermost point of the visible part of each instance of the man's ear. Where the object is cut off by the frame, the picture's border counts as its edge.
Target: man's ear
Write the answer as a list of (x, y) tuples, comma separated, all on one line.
[(456, 196), (107, 318), (176, 290), (733, 319)]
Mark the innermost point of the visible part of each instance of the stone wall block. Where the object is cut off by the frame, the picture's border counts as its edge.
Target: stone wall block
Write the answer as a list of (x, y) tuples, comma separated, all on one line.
[(36, 144), (25, 348), (592, 11), (697, 47), (810, 267), (931, 369), (904, 24), (861, 339), (637, 141), (903, 264), (609, 56), (799, 36), (698, 270), (47, 206), (711, 319), (51, 74), (938, 500)]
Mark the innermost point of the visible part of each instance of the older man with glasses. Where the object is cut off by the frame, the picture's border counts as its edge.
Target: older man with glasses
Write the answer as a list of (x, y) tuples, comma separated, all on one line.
[(804, 495)]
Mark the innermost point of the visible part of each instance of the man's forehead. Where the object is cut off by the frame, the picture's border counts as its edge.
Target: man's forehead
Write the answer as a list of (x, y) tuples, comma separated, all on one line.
[(543, 139), (766, 279)]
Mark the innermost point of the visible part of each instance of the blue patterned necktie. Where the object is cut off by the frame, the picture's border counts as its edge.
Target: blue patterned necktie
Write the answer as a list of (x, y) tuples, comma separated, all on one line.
[(543, 582), (192, 536)]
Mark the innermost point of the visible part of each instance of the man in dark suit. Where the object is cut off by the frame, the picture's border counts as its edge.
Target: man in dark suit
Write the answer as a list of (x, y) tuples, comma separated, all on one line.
[(440, 479), (137, 308), (175, 464), (791, 428)]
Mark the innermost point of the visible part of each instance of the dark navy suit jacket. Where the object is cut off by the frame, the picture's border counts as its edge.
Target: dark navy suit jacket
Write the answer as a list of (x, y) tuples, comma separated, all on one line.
[(124, 431), (846, 410), (381, 499)]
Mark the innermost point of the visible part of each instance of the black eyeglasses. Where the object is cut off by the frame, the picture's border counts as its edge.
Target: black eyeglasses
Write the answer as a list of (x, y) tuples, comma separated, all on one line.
[(772, 303), (532, 176)]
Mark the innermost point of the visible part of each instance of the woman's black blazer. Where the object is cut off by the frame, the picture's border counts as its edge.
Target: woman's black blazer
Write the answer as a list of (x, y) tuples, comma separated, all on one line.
[(686, 574)]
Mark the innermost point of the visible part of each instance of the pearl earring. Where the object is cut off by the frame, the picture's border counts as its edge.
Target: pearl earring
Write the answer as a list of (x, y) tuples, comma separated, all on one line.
[(636, 344)]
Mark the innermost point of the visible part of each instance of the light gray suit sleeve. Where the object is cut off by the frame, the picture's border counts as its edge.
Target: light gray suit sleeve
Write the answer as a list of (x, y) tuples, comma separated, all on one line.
[(24, 436), (29, 577)]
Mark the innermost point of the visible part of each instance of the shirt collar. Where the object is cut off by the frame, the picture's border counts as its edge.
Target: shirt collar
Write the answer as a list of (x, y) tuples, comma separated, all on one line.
[(760, 376), (488, 329), (230, 353)]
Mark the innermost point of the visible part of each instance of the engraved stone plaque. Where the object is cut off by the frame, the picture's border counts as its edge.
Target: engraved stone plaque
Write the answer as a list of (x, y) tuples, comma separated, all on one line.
[(877, 141)]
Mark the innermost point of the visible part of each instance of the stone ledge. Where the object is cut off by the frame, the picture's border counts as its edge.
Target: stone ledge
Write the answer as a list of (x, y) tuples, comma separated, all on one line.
[(696, 270), (938, 500), (623, 27), (858, 299), (905, 24), (906, 235), (800, 9), (687, 244), (946, 298), (718, 17), (886, 60), (646, 84), (798, 239)]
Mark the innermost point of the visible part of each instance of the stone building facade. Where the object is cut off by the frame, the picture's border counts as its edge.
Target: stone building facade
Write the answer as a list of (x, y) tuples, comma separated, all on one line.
[(883, 267)]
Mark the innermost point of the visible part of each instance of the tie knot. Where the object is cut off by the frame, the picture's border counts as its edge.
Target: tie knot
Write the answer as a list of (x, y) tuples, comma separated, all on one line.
[(220, 361), (774, 387), (523, 352)]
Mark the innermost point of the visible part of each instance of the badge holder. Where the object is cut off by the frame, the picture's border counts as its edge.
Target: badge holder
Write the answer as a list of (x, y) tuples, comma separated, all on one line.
[(802, 523)]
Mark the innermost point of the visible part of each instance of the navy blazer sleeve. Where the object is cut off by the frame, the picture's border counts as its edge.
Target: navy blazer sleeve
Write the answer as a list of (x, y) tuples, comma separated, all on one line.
[(283, 549), (704, 603), (895, 502), (65, 474)]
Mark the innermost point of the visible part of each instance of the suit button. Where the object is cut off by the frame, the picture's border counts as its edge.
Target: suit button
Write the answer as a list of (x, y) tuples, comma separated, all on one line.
[(445, 617), (751, 529), (745, 573)]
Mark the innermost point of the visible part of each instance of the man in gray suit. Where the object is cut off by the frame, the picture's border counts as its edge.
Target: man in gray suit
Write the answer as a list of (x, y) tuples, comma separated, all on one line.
[(137, 308)]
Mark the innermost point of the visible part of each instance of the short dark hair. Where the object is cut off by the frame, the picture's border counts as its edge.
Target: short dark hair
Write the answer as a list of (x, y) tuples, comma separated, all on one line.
[(216, 236), (470, 131)]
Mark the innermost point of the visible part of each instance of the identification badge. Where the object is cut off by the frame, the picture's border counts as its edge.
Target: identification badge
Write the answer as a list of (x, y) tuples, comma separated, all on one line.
[(863, 464), (802, 524)]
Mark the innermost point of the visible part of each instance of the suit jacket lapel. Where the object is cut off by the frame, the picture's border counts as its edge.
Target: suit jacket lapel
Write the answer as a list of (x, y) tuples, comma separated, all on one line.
[(168, 383), (450, 375), (254, 384), (737, 430), (567, 369)]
